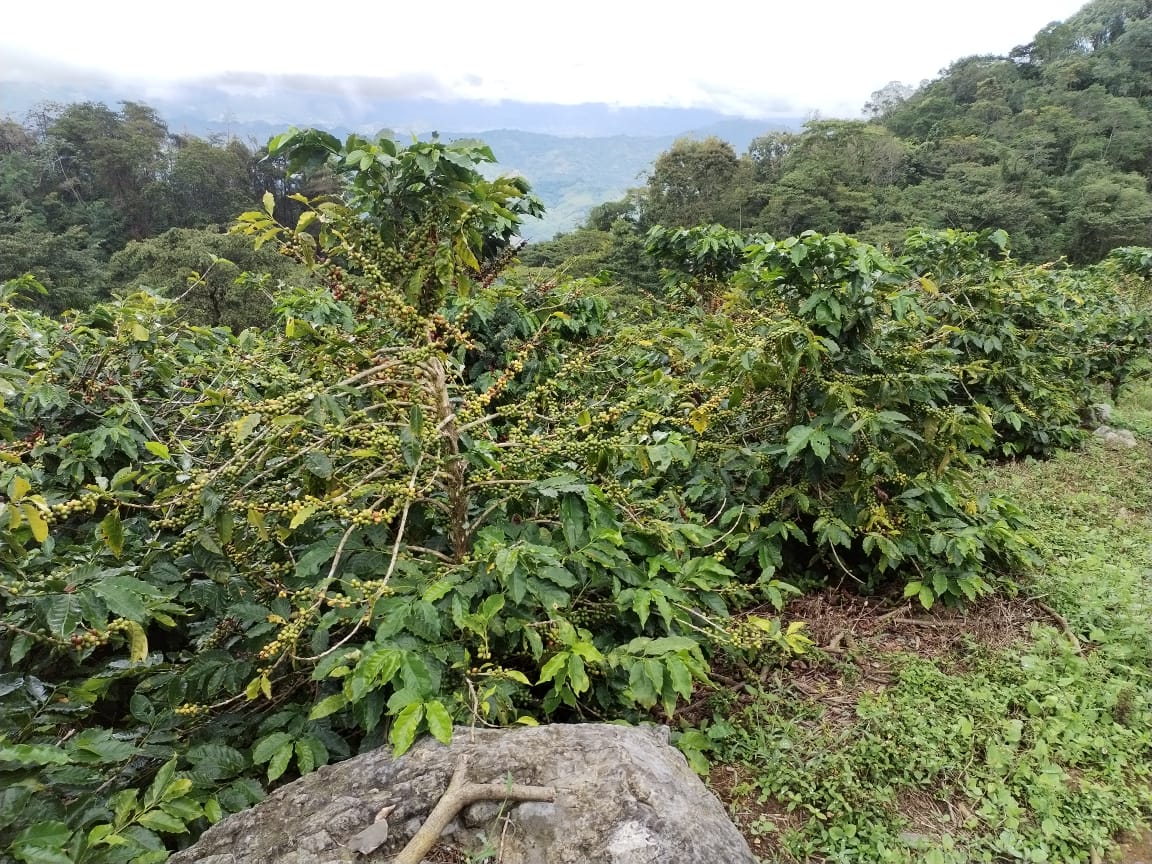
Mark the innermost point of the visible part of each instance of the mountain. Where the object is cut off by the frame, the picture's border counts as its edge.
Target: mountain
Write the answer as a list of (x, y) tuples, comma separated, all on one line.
[(572, 175), (575, 156)]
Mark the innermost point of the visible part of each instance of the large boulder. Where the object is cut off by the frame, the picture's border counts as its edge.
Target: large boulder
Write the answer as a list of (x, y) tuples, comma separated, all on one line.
[(622, 796)]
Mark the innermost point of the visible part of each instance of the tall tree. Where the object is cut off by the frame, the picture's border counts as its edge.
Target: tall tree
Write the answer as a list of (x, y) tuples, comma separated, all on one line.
[(209, 182), (114, 157), (695, 183)]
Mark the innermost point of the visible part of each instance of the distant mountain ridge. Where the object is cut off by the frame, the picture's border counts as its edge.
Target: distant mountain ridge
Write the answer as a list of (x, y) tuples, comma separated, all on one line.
[(575, 156), (572, 175)]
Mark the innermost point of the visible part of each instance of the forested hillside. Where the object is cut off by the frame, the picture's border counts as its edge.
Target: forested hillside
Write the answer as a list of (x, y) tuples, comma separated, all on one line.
[(86, 191), (1051, 142), (81, 182)]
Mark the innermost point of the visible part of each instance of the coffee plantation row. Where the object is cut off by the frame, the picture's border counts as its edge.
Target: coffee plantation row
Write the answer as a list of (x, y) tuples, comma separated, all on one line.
[(439, 492)]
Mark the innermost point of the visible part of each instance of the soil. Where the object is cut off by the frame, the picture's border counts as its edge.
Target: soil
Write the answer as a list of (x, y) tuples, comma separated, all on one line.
[(1136, 849)]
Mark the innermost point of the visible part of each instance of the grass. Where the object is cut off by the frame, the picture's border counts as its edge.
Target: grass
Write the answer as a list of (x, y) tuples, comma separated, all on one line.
[(988, 735)]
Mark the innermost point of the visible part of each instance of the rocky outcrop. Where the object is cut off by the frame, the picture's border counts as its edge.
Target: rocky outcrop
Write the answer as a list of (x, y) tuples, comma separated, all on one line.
[(622, 796)]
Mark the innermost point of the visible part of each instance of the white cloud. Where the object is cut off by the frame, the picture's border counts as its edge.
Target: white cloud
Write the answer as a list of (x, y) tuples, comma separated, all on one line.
[(766, 57)]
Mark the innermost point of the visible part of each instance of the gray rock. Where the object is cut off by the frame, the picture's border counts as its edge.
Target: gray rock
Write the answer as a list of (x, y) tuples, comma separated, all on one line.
[(623, 796), (1117, 439), (1099, 413)]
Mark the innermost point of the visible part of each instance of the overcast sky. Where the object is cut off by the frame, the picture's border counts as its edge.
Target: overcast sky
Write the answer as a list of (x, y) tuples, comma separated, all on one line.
[(755, 57)]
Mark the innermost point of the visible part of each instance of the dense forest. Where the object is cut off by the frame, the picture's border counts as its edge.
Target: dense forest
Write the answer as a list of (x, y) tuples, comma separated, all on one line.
[(94, 200), (1052, 143), (430, 485)]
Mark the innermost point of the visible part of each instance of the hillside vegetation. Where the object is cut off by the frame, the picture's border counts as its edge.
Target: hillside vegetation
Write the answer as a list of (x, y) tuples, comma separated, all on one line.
[(428, 495), (1052, 143), (373, 471)]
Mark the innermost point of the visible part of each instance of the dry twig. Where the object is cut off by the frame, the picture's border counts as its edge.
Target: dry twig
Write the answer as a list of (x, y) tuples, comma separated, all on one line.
[(1062, 623), (459, 794)]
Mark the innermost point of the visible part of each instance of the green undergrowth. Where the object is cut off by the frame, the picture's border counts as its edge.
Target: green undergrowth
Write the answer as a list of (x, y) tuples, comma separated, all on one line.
[(1038, 752)]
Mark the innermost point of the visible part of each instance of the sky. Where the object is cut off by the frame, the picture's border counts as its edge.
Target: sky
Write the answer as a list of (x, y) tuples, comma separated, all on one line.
[(757, 58)]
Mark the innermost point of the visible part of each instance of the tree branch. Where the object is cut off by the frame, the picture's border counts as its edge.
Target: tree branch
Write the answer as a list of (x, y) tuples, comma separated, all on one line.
[(457, 796)]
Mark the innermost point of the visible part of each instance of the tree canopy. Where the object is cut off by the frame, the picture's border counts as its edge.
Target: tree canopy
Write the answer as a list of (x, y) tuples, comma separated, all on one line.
[(1051, 142)]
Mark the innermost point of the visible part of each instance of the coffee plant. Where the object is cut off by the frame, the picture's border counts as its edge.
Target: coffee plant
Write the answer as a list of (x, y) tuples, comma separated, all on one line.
[(428, 497)]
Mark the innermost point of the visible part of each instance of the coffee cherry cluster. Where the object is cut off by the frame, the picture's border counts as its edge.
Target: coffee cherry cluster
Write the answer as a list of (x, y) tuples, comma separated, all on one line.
[(94, 638), (60, 512), (288, 635), (278, 405), (744, 636), (228, 627)]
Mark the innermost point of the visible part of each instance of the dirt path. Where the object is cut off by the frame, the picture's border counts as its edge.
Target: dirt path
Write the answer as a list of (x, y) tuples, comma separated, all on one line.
[(1138, 850)]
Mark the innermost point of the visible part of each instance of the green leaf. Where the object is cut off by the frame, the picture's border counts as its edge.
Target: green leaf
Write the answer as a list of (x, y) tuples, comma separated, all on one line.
[(572, 521), (158, 820), (328, 706), (122, 601), (404, 728), (269, 201), (302, 516), (44, 834), (177, 789), (113, 532), (319, 464), (100, 745), (246, 425), (373, 670), (157, 449), (18, 488), (269, 745), (217, 761), (30, 854), (641, 603), (62, 614), (553, 666), (588, 651), (164, 776), (137, 642), (35, 521), (278, 764), (927, 597), (640, 685), (183, 808), (819, 444), (305, 758), (439, 721), (577, 676), (33, 754), (797, 439), (213, 812), (21, 645), (140, 332), (680, 676)]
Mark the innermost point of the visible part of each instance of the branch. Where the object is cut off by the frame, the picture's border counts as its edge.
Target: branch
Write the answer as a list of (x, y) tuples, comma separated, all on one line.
[(474, 423), (403, 519), (1062, 622), (457, 796), (368, 373), (432, 552)]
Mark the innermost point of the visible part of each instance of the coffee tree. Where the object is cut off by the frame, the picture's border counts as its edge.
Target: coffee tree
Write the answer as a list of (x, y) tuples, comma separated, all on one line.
[(428, 496)]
